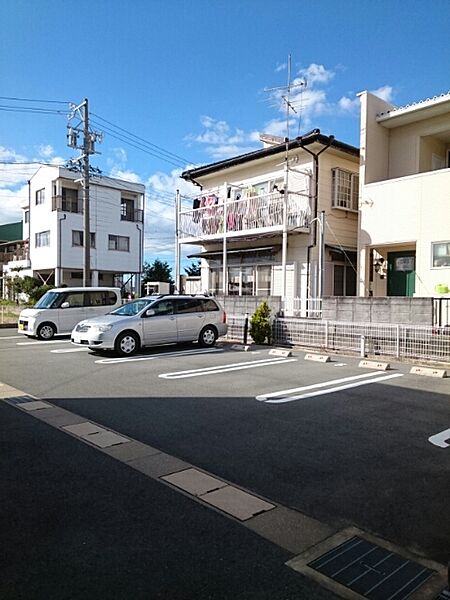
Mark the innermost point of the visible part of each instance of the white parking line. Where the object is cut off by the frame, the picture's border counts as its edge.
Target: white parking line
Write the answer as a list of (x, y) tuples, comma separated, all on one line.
[(440, 439), (113, 361), (288, 397), (64, 351), (42, 342), (11, 337), (225, 368)]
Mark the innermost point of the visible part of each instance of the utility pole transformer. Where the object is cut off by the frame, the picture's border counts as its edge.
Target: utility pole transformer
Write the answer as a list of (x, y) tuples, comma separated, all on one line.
[(81, 112)]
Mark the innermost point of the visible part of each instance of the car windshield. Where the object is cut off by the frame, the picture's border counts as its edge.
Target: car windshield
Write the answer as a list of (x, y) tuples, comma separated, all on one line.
[(132, 308), (48, 300)]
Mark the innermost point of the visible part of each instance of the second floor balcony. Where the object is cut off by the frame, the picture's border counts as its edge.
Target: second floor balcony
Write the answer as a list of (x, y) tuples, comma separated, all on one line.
[(254, 215)]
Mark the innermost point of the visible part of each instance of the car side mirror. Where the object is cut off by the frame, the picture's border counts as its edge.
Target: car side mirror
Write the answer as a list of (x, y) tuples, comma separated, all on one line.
[(150, 312), (65, 305)]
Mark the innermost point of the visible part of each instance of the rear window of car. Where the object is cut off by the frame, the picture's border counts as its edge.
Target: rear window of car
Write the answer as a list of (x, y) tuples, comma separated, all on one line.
[(209, 304), (188, 305)]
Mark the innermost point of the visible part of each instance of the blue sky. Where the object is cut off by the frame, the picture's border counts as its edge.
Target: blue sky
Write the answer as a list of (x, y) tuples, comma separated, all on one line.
[(189, 76)]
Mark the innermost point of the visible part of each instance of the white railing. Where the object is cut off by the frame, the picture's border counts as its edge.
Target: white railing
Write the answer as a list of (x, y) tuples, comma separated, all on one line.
[(302, 307), (376, 339), (252, 213)]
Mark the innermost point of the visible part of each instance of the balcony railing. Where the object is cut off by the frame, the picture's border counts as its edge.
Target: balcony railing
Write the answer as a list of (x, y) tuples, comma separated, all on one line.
[(256, 213), (136, 215), (17, 255), (73, 205)]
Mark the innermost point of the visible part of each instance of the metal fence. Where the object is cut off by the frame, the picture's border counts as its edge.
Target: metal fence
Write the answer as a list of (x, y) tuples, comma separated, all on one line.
[(400, 341)]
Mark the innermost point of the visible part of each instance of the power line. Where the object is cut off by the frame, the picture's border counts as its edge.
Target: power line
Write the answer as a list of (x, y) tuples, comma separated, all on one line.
[(172, 154), (34, 100)]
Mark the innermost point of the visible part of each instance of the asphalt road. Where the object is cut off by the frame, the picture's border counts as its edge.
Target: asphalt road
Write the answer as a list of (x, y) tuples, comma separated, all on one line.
[(337, 443)]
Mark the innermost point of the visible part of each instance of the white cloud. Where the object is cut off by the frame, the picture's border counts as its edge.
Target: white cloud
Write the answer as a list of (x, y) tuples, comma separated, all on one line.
[(125, 174), (351, 104), (280, 67), (316, 74), (222, 141), (10, 202), (46, 150), (385, 93)]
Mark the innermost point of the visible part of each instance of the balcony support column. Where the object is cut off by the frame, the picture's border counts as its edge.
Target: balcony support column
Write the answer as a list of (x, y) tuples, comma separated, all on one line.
[(224, 249)]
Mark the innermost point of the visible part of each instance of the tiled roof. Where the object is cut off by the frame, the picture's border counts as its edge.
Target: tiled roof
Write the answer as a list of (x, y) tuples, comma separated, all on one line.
[(418, 104)]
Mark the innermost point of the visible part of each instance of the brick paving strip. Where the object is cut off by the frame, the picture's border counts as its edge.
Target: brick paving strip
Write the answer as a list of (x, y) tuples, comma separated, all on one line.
[(287, 528)]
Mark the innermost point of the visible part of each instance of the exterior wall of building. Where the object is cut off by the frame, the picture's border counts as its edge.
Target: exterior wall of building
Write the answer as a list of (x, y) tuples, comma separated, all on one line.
[(404, 205), (105, 220), (341, 226)]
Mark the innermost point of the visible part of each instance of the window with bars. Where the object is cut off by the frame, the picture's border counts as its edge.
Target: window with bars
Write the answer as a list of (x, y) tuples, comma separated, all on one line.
[(345, 189), (119, 242), (42, 239)]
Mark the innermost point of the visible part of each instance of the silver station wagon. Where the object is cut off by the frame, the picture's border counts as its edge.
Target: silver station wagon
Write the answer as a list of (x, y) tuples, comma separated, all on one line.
[(154, 320)]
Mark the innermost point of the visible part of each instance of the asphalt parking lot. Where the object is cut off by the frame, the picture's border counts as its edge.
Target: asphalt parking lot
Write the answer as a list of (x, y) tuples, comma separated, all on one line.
[(341, 445)]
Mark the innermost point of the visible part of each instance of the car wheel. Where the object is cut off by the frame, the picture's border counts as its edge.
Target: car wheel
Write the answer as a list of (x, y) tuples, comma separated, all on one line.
[(208, 336), (46, 331), (126, 343)]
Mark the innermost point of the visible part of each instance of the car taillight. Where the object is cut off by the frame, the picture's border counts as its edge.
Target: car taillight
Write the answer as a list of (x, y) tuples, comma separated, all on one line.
[(224, 317)]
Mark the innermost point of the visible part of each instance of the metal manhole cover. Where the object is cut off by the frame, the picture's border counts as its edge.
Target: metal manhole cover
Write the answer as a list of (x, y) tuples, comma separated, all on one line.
[(371, 571)]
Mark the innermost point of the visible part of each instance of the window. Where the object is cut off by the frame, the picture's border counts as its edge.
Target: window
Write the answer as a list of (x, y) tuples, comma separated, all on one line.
[(345, 189), (78, 238), (40, 196), (188, 305), (209, 305), (344, 277), (42, 239), (103, 298), (119, 242), (165, 307), (440, 254), (127, 209), (69, 200), (26, 216)]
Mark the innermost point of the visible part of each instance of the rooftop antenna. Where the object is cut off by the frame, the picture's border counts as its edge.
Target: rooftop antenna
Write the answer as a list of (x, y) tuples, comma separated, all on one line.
[(286, 97)]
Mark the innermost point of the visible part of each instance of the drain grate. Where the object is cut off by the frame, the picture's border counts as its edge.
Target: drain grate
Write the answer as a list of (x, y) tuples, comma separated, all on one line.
[(371, 571), (15, 400)]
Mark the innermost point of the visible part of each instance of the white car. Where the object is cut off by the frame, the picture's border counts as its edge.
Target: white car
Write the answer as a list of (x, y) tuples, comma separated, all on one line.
[(60, 309), (154, 320)]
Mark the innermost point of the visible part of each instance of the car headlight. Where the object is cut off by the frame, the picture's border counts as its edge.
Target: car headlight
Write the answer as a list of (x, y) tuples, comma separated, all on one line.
[(102, 328)]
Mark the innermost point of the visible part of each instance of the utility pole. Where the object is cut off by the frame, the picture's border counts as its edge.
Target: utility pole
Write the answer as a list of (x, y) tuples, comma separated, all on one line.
[(177, 243), (81, 163), (86, 208)]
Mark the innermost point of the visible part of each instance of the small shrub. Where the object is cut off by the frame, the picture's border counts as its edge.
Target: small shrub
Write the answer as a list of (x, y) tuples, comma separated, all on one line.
[(260, 326)]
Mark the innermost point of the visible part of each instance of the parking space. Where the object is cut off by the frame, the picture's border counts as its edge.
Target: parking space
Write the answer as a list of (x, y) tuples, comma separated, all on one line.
[(335, 441)]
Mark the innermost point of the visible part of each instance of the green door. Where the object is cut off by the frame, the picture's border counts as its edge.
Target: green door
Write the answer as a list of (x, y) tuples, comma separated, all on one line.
[(401, 275)]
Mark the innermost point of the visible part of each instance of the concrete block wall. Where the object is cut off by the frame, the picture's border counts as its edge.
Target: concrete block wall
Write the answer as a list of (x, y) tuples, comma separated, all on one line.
[(392, 309), (240, 305)]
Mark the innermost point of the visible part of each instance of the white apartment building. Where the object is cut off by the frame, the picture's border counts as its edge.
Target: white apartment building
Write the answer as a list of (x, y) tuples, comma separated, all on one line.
[(404, 232), (258, 215), (53, 230)]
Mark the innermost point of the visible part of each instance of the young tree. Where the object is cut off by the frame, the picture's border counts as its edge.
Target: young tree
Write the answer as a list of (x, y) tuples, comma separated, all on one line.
[(193, 270), (157, 271)]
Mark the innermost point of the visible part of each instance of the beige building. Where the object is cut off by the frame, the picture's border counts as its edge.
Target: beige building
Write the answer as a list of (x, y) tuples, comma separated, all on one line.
[(257, 219), (404, 232)]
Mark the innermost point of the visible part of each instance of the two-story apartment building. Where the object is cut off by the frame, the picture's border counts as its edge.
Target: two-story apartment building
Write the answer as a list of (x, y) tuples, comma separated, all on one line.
[(54, 232), (404, 232), (257, 219)]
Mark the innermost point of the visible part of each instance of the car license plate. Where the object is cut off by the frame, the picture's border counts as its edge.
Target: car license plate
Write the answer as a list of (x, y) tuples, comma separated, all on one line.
[(21, 326)]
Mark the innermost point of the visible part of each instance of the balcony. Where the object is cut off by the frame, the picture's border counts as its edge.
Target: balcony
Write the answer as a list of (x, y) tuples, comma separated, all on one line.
[(73, 205), (18, 258), (255, 215), (136, 215)]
